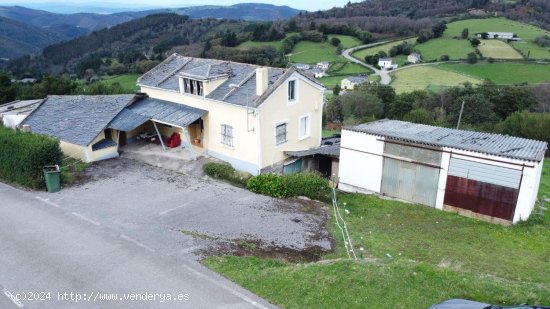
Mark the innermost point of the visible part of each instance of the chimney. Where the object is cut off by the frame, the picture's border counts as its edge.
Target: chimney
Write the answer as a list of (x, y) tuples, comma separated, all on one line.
[(261, 81)]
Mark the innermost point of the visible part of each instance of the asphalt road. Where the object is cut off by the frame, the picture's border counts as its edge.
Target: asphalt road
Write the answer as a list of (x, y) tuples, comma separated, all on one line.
[(385, 78), (45, 249)]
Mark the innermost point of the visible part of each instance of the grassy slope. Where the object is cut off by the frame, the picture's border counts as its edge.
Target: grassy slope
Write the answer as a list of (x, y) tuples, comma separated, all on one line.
[(455, 49), (498, 49), (347, 41), (424, 77), (435, 255), (361, 54), (503, 73), (311, 52), (524, 31), (127, 81)]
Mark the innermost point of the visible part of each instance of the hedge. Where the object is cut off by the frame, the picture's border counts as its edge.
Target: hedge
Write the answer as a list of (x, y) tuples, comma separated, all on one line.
[(225, 171), (23, 156), (310, 185)]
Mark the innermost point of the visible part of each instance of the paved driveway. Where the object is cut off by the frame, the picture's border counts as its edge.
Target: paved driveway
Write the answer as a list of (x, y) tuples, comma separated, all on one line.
[(188, 215)]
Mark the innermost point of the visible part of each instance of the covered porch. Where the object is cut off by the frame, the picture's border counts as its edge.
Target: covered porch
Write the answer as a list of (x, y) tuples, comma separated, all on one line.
[(157, 128)]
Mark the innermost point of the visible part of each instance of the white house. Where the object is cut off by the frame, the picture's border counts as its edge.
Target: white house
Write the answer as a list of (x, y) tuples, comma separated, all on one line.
[(414, 58), (350, 82), (301, 66), (498, 35), (386, 63), (487, 176), (323, 65)]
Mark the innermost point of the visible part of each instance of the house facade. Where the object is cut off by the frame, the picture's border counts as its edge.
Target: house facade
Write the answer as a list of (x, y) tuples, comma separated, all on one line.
[(414, 58), (386, 63), (252, 114), (349, 83), (487, 176)]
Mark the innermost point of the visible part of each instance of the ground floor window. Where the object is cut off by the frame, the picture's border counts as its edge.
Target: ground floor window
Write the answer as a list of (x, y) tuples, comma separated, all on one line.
[(227, 135), (304, 130)]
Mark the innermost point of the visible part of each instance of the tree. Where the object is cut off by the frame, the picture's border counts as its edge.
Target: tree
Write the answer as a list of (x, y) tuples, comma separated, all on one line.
[(229, 39), (465, 33), (445, 58), (335, 41), (477, 110), (472, 58), (438, 29), (542, 95), (7, 91), (507, 100), (475, 42), (362, 106), (527, 125), (484, 35), (334, 110), (336, 90), (420, 115)]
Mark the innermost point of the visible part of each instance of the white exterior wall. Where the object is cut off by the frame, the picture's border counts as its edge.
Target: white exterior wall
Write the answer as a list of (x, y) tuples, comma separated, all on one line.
[(528, 192), (361, 162)]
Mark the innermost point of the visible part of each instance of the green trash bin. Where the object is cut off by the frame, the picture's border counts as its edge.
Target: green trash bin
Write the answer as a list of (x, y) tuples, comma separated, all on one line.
[(52, 175)]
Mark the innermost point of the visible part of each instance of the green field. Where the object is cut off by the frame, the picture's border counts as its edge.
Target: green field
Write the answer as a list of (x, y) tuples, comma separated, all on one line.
[(361, 54), (502, 72), (428, 77), (277, 44), (527, 32), (311, 52), (346, 40), (331, 81), (434, 49), (415, 256), (498, 49), (127, 81)]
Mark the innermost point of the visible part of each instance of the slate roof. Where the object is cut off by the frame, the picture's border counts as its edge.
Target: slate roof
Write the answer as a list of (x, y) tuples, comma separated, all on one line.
[(329, 147), (358, 79), (488, 143), (165, 76), (147, 108), (76, 119)]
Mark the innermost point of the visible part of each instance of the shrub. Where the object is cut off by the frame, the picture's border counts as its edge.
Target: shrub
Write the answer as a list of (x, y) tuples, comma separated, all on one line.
[(310, 185), (267, 184), (225, 171), (24, 155)]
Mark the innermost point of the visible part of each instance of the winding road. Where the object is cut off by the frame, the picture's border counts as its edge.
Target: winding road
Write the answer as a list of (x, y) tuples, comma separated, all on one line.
[(385, 78)]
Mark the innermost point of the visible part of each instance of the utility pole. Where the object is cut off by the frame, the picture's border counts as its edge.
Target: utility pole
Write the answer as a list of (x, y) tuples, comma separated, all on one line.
[(460, 115)]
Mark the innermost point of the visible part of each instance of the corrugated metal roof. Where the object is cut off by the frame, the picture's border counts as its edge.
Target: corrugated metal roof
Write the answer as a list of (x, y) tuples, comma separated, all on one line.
[(489, 143), (331, 151), (77, 119), (166, 74), (18, 107), (146, 109)]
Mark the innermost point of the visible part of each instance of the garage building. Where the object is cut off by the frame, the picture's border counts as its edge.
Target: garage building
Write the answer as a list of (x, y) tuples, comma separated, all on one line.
[(489, 176)]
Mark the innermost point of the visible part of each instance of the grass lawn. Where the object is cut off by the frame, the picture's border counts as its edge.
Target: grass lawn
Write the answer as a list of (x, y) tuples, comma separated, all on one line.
[(544, 188), (329, 133), (455, 49), (527, 32), (331, 81), (347, 41), (502, 72), (426, 77), (361, 54), (127, 81), (347, 68), (415, 256), (312, 52), (498, 49)]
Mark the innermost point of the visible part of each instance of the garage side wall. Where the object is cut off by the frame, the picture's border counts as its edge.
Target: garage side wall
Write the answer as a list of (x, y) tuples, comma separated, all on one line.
[(528, 192), (361, 161)]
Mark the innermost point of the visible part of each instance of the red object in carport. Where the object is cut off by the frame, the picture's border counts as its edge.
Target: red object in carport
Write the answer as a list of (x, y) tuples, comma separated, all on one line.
[(173, 141)]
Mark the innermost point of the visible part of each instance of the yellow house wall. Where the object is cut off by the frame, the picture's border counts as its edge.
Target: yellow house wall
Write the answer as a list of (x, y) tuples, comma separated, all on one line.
[(73, 151), (244, 153), (276, 109), (103, 153)]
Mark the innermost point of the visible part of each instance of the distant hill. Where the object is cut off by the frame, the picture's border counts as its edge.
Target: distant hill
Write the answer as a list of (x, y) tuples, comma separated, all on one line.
[(243, 11), (18, 38)]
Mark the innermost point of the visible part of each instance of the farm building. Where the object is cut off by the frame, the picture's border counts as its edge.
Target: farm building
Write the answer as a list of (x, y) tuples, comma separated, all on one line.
[(386, 63), (349, 83), (497, 35), (323, 65), (13, 113), (414, 58), (488, 176), (324, 159)]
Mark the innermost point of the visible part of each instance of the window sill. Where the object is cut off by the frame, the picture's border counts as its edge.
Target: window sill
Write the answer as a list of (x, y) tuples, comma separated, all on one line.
[(304, 137)]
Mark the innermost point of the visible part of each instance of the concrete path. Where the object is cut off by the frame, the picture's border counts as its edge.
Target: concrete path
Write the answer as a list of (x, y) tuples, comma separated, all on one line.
[(47, 251)]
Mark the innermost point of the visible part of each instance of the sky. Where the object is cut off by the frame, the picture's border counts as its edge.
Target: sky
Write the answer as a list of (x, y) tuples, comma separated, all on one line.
[(304, 5)]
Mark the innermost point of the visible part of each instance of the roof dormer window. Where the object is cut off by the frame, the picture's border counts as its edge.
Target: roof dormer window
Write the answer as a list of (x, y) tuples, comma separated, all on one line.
[(191, 86)]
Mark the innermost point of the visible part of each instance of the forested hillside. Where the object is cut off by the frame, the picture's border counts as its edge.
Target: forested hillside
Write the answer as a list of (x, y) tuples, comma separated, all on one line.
[(18, 39)]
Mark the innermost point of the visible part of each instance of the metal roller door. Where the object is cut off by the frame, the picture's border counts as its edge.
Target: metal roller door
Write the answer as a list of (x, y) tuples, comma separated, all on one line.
[(483, 188)]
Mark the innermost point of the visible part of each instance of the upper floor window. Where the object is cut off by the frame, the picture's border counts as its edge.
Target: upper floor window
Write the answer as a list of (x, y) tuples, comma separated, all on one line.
[(227, 135), (192, 86), (281, 134), (292, 90)]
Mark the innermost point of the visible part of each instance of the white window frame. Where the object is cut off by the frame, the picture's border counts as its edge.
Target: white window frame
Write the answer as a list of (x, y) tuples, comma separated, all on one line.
[(308, 128), (296, 93), (286, 135), (227, 140), (197, 85)]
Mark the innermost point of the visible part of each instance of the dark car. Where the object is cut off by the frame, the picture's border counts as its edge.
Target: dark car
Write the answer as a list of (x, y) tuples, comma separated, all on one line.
[(469, 304)]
